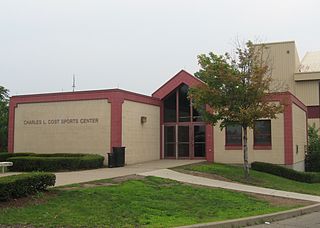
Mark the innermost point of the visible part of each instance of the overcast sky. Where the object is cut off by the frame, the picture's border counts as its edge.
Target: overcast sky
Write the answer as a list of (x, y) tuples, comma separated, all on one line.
[(135, 45)]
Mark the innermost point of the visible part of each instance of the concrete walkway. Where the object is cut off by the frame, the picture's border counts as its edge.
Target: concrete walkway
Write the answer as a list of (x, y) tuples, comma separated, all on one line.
[(186, 178), (64, 178)]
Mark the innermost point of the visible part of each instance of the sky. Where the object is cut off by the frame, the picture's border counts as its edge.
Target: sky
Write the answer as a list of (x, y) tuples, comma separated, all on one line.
[(136, 45)]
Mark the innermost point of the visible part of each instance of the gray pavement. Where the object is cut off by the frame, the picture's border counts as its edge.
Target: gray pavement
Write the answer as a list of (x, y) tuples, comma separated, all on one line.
[(186, 178), (64, 178), (304, 221)]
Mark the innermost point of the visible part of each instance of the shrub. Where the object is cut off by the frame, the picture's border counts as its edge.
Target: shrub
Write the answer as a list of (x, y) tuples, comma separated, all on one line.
[(281, 171), (56, 162), (5, 155), (21, 185), (312, 160)]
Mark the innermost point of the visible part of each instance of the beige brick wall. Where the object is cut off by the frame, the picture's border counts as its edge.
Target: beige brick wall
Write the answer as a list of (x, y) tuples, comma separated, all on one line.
[(44, 128), (276, 155), (142, 141), (299, 133)]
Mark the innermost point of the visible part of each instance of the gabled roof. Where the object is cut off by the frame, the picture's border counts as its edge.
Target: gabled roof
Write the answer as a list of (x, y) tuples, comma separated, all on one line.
[(181, 77)]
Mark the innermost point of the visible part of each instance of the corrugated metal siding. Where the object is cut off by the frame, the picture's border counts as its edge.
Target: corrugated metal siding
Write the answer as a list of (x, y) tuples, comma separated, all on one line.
[(283, 63), (308, 92)]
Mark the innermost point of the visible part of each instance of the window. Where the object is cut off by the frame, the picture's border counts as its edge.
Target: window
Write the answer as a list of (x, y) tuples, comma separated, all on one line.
[(196, 116), (170, 109), (262, 133), (184, 104), (182, 113), (199, 141), (170, 141), (233, 135)]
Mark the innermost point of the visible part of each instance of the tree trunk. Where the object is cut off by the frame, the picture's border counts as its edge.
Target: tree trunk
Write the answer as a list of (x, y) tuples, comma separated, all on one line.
[(245, 153)]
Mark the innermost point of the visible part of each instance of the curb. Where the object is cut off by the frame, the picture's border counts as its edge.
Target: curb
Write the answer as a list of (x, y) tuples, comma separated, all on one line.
[(254, 220)]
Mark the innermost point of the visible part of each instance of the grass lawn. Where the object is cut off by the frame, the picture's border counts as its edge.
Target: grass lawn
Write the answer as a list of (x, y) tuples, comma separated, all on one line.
[(235, 173), (147, 202)]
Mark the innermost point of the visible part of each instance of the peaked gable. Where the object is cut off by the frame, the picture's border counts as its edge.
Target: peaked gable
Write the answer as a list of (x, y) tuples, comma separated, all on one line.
[(181, 77)]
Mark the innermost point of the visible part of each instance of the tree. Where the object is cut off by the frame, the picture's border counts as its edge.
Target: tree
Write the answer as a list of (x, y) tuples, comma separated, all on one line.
[(235, 90), (312, 161), (4, 116)]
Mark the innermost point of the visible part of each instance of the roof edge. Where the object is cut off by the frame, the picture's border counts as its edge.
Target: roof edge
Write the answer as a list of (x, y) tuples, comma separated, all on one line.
[(172, 78)]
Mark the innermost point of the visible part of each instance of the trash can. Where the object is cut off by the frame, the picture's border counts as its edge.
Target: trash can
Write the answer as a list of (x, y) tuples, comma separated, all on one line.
[(111, 160), (119, 153)]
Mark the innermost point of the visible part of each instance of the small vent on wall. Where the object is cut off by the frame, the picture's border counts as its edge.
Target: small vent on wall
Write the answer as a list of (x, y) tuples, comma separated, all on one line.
[(143, 119)]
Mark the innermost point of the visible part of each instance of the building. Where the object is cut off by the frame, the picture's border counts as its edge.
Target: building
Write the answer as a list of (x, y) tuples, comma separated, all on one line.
[(302, 78), (164, 125)]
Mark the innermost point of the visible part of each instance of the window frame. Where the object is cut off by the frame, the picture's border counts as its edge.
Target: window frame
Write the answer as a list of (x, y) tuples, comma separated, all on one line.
[(233, 146), (262, 146)]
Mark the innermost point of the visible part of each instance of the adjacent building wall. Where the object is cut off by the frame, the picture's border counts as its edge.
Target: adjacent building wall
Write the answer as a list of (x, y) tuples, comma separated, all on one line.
[(308, 92), (282, 59), (142, 140), (299, 123), (274, 155), (63, 127)]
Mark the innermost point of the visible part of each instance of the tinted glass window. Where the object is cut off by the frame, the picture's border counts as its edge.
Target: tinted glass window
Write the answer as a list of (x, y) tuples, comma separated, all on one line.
[(262, 132), (170, 109), (199, 141), (233, 134), (196, 117), (184, 104), (169, 141), (183, 144)]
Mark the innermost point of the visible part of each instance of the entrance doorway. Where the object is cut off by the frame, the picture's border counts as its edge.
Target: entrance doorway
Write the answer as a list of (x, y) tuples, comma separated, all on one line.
[(184, 132), (185, 141)]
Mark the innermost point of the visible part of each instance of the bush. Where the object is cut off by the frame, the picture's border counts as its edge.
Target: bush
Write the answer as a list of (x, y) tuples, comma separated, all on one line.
[(312, 160), (5, 155), (21, 185), (56, 162), (281, 171)]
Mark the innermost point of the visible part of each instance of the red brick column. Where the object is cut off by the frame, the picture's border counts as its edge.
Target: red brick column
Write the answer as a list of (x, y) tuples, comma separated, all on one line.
[(116, 121), (12, 107), (288, 134), (209, 143)]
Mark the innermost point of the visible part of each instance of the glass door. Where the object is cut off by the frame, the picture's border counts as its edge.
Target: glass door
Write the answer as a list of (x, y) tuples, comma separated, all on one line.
[(199, 141), (169, 141), (183, 142)]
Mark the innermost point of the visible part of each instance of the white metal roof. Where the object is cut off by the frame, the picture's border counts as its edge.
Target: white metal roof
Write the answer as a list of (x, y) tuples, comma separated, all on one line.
[(310, 62)]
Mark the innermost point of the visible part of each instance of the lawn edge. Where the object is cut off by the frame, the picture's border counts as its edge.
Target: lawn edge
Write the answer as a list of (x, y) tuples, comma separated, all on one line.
[(254, 220)]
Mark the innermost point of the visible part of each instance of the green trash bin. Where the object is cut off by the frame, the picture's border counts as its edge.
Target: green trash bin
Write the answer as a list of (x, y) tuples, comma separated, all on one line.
[(111, 160), (119, 153)]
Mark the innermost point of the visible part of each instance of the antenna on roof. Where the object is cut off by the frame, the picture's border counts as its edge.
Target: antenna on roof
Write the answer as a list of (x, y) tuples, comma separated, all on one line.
[(73, 83)]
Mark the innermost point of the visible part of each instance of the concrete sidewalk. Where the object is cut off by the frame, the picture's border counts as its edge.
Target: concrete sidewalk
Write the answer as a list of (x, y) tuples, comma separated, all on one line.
[(64, 178), (186, 178)]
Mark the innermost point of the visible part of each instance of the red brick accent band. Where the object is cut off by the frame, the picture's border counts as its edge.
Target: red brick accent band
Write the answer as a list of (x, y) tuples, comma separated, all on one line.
[(288, 135), (181, 77), (233, 147), (313, 112), (161, 131), (209, 143), (12, 107), (116, 121)]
